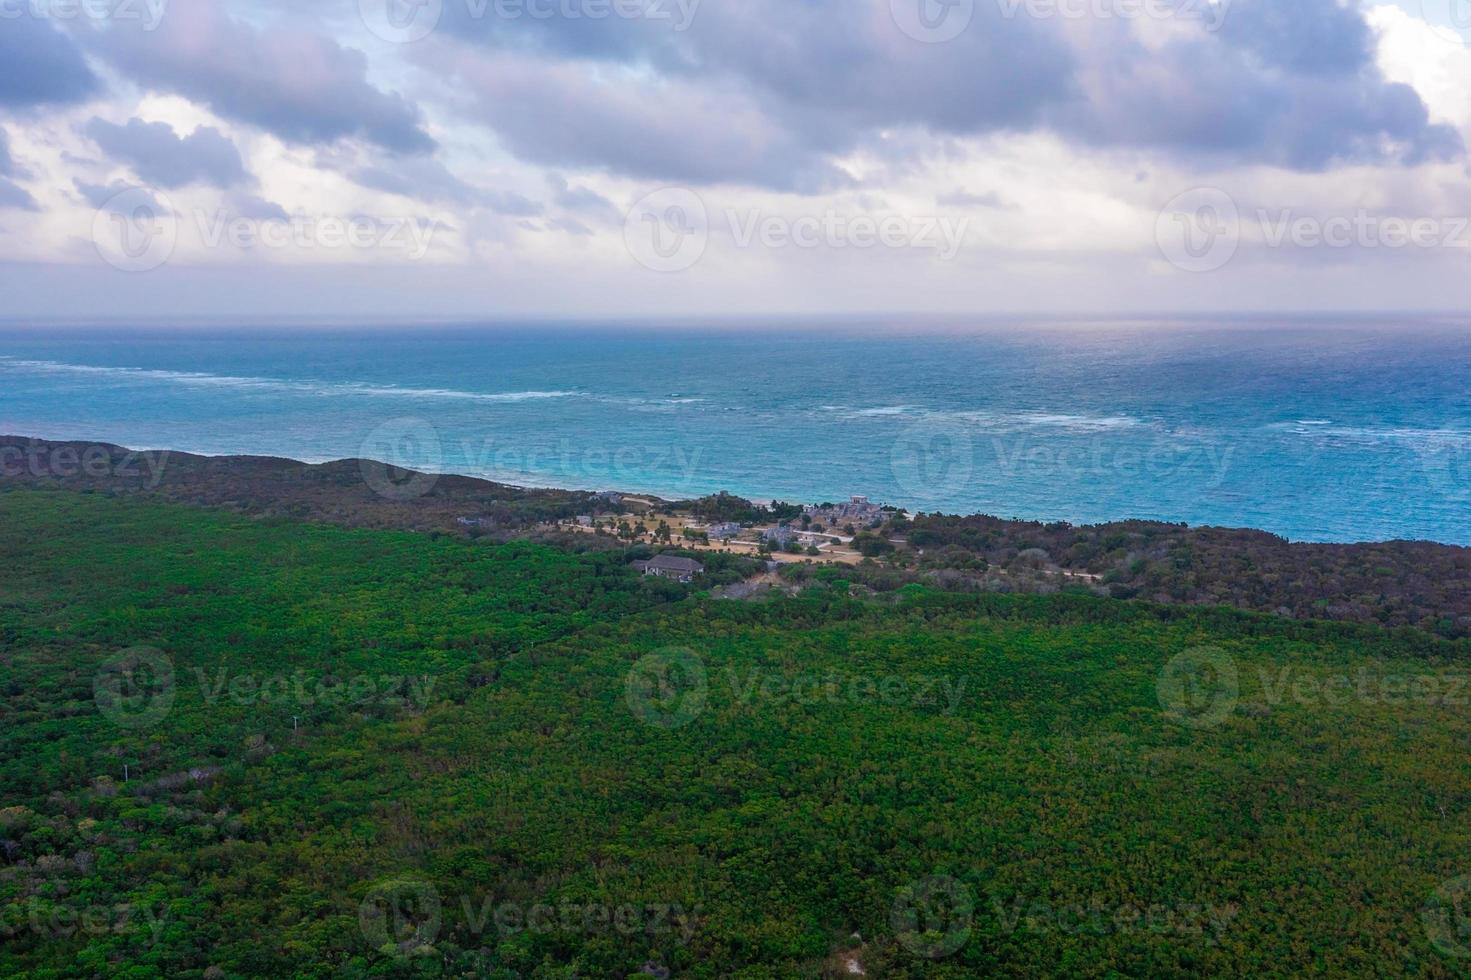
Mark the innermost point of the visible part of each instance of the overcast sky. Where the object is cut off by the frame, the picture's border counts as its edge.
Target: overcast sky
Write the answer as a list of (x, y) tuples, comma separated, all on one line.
[(671, 157)]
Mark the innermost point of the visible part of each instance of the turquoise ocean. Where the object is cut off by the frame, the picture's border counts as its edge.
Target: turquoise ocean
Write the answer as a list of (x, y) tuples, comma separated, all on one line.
[(1312, 429)]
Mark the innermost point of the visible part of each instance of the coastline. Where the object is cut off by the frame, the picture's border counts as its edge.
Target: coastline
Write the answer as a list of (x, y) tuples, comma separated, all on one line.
[(528, 483), (1395, 583)]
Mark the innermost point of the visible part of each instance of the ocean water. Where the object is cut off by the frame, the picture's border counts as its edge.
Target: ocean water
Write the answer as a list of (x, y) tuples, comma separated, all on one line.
[(1314, 430)]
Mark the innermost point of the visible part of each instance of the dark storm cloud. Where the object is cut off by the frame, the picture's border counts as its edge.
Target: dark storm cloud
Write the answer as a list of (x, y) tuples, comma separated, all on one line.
[(770, 92), (41, 66), (301, 86), (429, 180), (164, 159), (107, 197), (582, 200), (1295, 89)]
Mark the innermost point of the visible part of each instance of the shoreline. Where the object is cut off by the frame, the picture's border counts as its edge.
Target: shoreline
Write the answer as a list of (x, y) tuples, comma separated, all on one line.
[(519, 483)]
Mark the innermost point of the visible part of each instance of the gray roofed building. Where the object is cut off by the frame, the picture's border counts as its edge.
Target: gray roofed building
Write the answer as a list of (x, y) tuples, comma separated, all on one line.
[(670, 566)]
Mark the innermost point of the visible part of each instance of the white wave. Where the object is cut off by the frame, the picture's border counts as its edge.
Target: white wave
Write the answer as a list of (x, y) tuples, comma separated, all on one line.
[(278, 384), (1411, 436), (1089, 422), (1005, 421)]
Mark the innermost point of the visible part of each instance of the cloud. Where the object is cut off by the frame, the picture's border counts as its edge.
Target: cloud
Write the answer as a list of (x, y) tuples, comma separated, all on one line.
[(255, 208), (42, 66), (960, 198), (110, 197), (775, 94), (559, 115), (300, 86), (162, 158), (429, 180), (582, 200), (571, 226), (1298, 90), (12, 195)]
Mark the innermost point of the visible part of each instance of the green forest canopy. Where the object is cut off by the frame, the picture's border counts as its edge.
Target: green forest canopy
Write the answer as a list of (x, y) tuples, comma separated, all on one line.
[(384, 754)]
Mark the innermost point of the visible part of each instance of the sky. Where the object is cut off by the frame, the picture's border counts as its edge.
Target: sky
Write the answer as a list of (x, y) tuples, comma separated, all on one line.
[(501, 158)]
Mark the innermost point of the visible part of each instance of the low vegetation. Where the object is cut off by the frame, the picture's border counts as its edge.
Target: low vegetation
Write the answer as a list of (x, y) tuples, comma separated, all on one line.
[(235, 746)]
